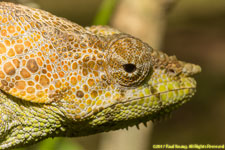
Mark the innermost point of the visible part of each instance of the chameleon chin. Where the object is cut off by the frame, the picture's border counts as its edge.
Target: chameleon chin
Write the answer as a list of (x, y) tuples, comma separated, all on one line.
[(60, 79)]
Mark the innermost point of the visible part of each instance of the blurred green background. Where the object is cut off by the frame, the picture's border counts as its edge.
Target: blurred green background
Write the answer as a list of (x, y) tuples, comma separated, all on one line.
[(195, 33)]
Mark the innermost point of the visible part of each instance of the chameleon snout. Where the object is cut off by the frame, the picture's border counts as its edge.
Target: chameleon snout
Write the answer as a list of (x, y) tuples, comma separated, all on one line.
[(191, 69)]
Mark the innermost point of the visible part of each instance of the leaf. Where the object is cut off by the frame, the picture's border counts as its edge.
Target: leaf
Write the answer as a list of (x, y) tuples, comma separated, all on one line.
[(105, 12)]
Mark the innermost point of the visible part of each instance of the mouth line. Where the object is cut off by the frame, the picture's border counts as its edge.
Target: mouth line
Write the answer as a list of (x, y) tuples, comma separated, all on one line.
[(155, 94), (136, 99)]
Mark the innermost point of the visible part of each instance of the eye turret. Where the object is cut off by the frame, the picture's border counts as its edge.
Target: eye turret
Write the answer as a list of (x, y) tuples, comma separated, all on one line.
[(129, 60)]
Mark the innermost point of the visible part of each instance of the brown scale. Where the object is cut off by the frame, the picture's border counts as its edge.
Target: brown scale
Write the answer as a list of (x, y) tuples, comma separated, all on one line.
[(171, 63)]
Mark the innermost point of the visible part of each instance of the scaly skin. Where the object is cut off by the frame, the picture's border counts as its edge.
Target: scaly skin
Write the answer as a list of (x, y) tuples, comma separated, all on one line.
[(60, 79)]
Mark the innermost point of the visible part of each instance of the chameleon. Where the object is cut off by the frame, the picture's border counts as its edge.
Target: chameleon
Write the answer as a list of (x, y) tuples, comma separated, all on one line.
[(59, 79)]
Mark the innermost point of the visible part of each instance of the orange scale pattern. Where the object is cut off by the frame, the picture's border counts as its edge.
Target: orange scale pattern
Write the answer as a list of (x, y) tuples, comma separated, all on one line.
[(45, 59)]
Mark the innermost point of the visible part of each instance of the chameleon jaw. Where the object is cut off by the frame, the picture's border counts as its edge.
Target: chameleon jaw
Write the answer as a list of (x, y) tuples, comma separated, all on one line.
[(143, 106), (114, 118)]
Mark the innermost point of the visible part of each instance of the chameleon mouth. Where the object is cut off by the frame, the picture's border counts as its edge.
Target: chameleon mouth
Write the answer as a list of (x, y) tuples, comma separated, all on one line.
[(142, 109), (158, 101), (158, 95), (167, 90)]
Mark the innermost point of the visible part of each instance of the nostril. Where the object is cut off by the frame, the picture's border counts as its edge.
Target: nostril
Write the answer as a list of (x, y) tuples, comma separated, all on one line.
[(172, 71), (129, 68)]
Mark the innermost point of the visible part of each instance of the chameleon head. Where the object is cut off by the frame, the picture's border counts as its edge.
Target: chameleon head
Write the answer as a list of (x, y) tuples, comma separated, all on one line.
[(60, 79), (144, 84)]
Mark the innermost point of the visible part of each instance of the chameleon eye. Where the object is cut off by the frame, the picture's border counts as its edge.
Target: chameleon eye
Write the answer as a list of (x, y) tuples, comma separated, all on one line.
[(129, 61), (129, 68)]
